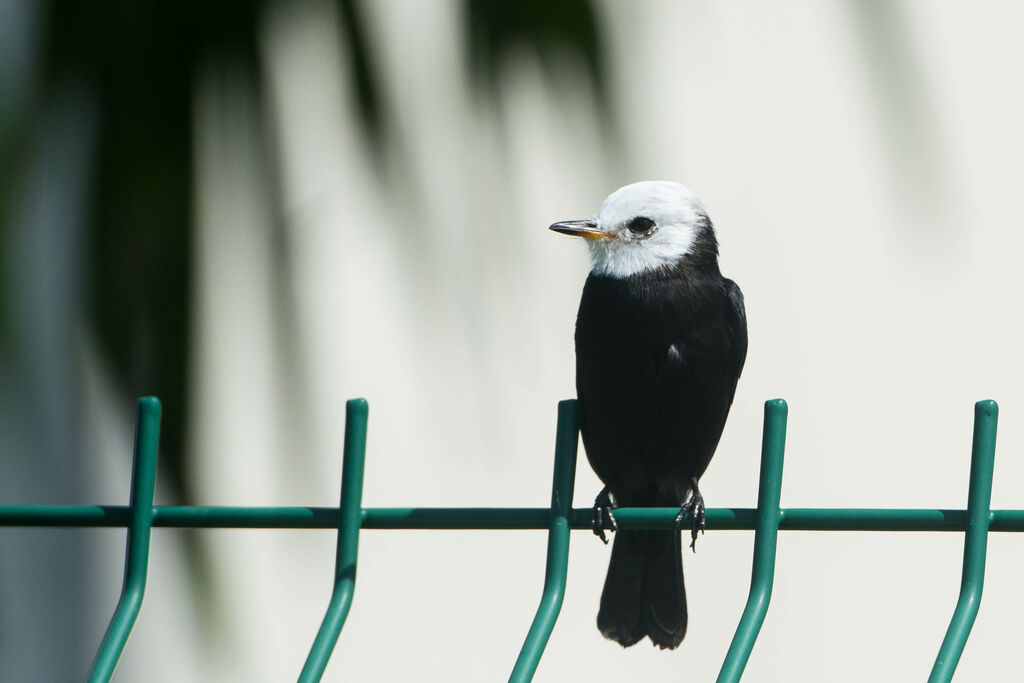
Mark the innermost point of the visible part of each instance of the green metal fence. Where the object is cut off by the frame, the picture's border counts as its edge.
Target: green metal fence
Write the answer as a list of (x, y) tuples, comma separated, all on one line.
[(140, 516)]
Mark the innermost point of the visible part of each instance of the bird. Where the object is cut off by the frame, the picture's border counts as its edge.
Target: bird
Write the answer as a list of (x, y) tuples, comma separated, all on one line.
[(661, 340)]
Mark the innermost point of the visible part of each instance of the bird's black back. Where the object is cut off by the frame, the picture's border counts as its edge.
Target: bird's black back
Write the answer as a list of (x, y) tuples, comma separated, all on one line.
[(658, 355)]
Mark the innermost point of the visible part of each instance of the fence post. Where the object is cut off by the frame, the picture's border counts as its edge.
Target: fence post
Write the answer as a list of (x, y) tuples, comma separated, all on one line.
[(566, 440), (140, 510), (773, 447), (979, 517), (350, 514)]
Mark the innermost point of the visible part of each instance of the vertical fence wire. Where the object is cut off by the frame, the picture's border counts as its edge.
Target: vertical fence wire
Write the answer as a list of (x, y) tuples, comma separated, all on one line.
[(773, 446), (350, 518), (147, 439), (979, 518), (557, 568)]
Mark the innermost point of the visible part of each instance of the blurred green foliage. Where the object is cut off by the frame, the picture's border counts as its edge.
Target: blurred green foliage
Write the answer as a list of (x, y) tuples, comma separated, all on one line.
[(553, 31), (142, 59)]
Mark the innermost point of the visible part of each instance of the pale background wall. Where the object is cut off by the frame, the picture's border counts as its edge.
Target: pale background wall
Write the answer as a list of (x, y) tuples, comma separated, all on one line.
[(861, 163)]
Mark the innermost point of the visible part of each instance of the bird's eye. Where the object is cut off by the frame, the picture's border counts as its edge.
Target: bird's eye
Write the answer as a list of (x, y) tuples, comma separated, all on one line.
[(641, 225)]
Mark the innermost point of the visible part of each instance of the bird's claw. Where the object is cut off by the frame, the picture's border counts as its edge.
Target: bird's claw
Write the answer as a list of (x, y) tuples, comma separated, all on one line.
[(602, 516), (695, 508)]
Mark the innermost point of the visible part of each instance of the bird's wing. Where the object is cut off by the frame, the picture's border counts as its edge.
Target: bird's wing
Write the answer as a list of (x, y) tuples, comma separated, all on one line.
[(738, 323)]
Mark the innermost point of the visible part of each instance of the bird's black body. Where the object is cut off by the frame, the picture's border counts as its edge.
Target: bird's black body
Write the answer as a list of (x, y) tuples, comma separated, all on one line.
[(658, 355)]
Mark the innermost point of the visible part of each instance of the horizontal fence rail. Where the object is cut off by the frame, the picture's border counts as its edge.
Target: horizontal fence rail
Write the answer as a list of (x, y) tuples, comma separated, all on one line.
[(509, 519), (766, 520)]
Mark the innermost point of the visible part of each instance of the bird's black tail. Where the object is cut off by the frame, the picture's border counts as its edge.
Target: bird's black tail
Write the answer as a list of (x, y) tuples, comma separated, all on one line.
[(644, 593)]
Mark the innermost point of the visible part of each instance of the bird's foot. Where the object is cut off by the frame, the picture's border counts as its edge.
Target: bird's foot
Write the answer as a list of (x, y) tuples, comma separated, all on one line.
[(602, 517), (695, 508)]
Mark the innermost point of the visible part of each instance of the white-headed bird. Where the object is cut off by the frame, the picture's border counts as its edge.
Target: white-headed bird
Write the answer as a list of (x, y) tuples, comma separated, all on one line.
[(661, 337)]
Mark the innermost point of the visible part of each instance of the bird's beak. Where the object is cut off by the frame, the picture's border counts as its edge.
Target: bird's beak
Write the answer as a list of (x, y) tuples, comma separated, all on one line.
[(582, 228)]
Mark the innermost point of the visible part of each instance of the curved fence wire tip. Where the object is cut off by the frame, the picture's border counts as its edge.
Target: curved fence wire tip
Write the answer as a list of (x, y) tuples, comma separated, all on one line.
[(140, 510), (773, 446), (350, 518), (566, 440), (979, 518)]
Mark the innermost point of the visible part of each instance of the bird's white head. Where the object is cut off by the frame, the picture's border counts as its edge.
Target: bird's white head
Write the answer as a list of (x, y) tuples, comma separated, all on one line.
[(644, 227)]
